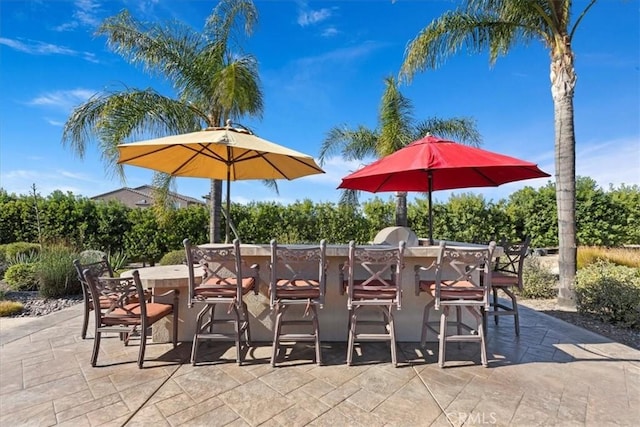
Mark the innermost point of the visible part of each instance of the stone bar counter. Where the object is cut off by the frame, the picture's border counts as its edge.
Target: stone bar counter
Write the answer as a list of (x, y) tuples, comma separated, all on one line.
[(333, 316)]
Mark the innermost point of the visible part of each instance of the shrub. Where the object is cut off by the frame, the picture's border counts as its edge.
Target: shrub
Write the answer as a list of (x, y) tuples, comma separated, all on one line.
[(538, 281), (90, 256), (610, 292), (22, 277), (7, 308), (56, 273), (17, 249), (4, 263), (118, 260), (174, 257)]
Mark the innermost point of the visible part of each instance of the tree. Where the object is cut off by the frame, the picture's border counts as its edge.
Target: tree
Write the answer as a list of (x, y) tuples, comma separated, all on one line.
[(396, 129), (212, 84), (498, 25)]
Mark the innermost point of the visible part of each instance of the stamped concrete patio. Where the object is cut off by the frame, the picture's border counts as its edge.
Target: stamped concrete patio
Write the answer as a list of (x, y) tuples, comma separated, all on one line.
[(553, 374)]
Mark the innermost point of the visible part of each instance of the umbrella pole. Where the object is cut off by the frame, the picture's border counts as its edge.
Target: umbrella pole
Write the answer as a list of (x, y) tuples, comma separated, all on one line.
[(226, 223), (430, 179)]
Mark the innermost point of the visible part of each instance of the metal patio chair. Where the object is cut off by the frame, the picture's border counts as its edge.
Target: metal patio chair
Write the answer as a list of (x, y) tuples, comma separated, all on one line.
[(374, 280), (298, 278)]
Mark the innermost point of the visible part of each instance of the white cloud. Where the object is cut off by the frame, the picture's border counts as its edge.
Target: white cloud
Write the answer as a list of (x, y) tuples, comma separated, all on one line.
[(54, 122), (335, 169), (87, 11), (62, 99), (85, 15), (311, 17), (330, 32), (20, 182), (35, 47), (613, 162)]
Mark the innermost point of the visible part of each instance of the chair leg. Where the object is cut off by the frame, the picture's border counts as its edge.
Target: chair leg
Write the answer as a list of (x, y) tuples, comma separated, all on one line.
[(514, 307), (280, 309), (483, 344), (495, 304), (425, 325), (443, 336), (213, 313), (143, 345), (352, 335), (484, 312), (246, 324), (316, 332), (85, 320), (194, 348), (238, 334), (458, 320), (175, 325), (392, 336), (96, 348)]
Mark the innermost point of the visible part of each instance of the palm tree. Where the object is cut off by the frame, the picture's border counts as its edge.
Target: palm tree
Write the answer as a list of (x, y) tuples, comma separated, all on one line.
[(498, 25), (212, 84), (396, 128)]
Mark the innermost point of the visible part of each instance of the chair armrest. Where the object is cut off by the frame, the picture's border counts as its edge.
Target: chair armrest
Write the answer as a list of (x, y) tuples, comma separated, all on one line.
[(417, 269), (169, 297)]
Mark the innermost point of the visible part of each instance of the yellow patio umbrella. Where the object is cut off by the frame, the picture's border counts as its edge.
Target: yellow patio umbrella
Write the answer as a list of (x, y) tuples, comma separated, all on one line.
[(223, 153)]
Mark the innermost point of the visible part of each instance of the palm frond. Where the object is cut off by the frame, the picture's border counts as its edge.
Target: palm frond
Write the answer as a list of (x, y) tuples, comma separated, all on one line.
[(167, 51), (351, 144), (236, 88), (113, 118), (163, 184), (396, 116), (460, 129), (495, 25), (349, 198), (271, 184), (231, 18)]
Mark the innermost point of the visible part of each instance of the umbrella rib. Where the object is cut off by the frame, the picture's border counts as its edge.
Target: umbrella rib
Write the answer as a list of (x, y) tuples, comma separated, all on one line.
[(250, 155), (493, 183), (204, 150)]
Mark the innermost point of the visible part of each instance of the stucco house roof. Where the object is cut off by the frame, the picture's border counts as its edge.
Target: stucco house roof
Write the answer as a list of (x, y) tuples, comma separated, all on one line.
[(143, 197)]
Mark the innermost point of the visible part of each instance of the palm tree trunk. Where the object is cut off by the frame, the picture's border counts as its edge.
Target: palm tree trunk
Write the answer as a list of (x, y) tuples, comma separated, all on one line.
[(215, 213), (563, 80), (401, 209)]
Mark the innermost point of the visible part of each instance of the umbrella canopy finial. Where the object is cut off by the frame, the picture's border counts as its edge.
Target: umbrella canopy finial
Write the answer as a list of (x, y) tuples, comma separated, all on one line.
[(228, 123)]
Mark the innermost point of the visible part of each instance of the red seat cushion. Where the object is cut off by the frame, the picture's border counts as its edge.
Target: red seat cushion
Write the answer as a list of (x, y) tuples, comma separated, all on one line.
[(217, 287), (130, 314), (300, 288), (372, 290), (426, 285), (502, 279), (458, 290)]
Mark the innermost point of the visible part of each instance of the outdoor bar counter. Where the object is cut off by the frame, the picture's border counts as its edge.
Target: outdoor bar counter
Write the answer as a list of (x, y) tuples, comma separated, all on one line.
[(333, 316)]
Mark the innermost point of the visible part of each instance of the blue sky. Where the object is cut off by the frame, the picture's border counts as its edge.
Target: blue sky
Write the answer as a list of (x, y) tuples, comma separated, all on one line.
[(322, 64)]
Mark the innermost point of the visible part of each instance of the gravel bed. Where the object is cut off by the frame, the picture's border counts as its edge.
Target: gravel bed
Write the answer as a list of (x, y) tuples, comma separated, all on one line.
[(35, 306)]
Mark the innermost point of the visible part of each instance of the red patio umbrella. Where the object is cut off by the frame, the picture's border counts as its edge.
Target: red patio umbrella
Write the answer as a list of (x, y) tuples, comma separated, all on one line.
[(431, 164)]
